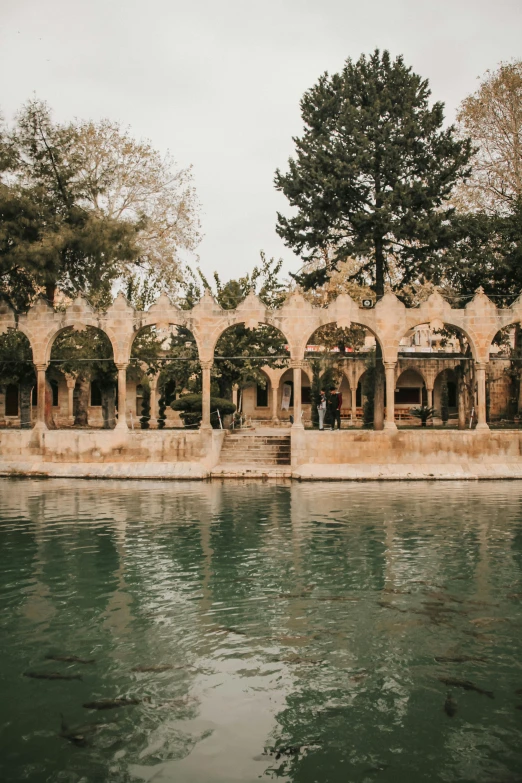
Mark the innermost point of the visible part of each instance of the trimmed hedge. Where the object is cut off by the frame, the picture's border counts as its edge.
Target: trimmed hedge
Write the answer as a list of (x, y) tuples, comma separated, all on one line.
[(190, 408)]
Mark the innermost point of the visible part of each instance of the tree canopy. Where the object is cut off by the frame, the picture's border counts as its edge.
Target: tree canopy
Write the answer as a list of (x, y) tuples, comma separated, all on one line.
[(488, 224), (492, 118), (372, 175), (83, 205)]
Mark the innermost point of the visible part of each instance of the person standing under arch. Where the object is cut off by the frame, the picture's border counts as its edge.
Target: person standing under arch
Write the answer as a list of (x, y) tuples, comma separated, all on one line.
[(336, 401)]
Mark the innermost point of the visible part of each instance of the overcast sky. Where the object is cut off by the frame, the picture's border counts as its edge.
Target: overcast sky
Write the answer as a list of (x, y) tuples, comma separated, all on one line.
[(219, 83)]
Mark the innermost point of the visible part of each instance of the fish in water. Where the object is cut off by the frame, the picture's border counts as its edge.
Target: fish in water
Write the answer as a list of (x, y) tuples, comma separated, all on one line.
[(298, 659), (466, 684), (458, 659), (387, 605), (288, 750), (226, 629), (76, 736), (480, 622), (450, 706), (69, 659), (110, 704), (162, 667), (395, 591), (337, 598), (52, 676), (435, 606), (359, 677), (79, 734)]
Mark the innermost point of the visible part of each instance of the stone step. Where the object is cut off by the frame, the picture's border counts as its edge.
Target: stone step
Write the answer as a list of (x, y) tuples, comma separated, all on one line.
[(237, 445), (245, 439), (241, 454), (244, 455), (255, 447), (255, 460)]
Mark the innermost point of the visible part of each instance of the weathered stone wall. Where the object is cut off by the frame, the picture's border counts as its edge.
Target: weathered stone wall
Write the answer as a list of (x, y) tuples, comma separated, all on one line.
[(422, 446), (101, 446)]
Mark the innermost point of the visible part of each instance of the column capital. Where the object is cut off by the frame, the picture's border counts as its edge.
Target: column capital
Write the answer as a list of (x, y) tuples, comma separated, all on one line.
[(206, 364), (390, 365), (41, 366), (481, 365), (121, 365), (70, 380), (296, 364)]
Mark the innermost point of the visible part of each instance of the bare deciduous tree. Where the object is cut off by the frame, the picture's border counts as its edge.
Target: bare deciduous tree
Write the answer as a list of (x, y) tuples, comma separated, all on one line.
[(492, 117), (129, 180)]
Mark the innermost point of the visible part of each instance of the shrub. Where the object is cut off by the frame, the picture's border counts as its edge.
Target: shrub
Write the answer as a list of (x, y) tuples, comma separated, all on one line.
[(190, 407), (423, 413), (145, 408)]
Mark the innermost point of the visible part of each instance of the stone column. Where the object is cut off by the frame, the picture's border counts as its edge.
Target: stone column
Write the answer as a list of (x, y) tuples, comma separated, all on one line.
[(205, 402), (430, 396), (298, 424), (153, 421), (71, 383), (353, 410), (41, 389), (480, 372), (274, 389), (389, 368), (122, 395), (235, 388)]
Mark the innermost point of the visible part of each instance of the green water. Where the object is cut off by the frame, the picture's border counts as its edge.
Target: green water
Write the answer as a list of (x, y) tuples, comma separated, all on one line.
[(305, 617)]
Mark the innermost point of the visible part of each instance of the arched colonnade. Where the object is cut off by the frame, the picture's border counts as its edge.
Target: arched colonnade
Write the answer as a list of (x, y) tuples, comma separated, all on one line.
[(297, 319)]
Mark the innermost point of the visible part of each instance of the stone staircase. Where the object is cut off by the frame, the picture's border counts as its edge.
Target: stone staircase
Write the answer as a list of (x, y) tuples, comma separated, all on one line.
[(251, 455)]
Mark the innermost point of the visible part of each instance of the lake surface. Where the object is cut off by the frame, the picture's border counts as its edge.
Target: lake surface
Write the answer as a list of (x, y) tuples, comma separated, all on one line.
[(264, 632)]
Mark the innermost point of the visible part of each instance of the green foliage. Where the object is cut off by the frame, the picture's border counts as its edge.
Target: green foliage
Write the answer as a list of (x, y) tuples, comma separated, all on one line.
[(145, 406), (444, 407), (48, 237), (424, 413), (190, 407), (240, 353), (167, 389), (372, 174), (87, 353), (263, 280), (488, 253), (16, 359)]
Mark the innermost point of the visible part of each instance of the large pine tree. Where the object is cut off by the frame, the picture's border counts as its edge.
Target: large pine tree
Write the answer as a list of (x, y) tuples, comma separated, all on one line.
[(373, 171)]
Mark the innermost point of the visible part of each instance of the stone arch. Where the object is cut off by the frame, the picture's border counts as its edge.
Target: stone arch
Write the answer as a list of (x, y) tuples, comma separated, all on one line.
[(504, 372), (450, 374), (213, 339), (407, 381), (17, 377), (233, 365), (165, 357), (436, 324), (509, 322), (78, 326), (352, 325), (288, 378), (84, 358), (415, 368)]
